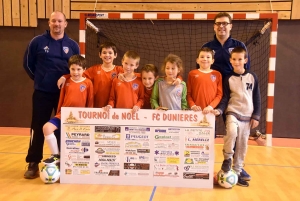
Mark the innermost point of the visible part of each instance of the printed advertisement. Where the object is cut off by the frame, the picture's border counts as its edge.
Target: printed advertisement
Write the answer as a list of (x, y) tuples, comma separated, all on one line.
[(151, 147)]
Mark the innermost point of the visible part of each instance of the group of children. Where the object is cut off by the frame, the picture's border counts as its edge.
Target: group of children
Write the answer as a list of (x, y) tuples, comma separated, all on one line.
[(108, 86)]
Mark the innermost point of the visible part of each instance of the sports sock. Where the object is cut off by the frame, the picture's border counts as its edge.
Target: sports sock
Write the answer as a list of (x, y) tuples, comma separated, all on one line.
[(52, 143)]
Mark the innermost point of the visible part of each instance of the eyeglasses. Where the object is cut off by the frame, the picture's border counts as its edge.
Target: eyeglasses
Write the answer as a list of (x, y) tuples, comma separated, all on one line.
[(222, 23)]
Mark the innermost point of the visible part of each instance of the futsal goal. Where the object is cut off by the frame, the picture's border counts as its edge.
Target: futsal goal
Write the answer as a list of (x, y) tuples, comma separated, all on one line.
[(155, 35)]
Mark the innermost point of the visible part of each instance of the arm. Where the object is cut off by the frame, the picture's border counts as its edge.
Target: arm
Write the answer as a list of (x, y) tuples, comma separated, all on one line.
[(30, 58), (60, 102), (61, 81), (256, 100), (89, 73), (226, 96), (190, 88), (90, 94), (178, 80), (140, 102), (112, 96), (184, 104), (154, 100), (219, 95)]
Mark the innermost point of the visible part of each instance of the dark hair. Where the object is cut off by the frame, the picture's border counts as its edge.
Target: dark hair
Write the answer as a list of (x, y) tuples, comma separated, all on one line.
[(172, 58), (78, 60), (239, 50), (223, 14), (205, 49), (108, 44), (132, 55), (150, 68)]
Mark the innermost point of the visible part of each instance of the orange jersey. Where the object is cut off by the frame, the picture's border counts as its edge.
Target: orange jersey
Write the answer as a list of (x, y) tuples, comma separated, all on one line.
[(125, 94), (102, 81), (204, 89), (75, 94)]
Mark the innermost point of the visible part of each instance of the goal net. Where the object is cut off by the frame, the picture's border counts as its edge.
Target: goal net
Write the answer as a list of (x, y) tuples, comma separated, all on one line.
[(155, 38)]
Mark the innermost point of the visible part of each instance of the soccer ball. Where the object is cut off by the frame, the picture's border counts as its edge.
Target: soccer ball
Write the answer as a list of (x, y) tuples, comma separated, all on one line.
[(49, 174), (227, 179)]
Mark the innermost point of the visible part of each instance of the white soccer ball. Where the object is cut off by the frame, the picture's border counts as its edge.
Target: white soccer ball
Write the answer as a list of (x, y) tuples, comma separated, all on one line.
[(227, 179), (49, 174)]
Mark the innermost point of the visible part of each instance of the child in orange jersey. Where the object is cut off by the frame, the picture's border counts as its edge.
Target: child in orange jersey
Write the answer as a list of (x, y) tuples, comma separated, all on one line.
[(165, 94), (102, 75), (77, 92), (130, 92), (204, 86), (148, 74)]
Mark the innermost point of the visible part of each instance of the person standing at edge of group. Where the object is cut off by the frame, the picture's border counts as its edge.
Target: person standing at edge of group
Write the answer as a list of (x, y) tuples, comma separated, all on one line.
[(241, 103), (222, 45), (45, 61)]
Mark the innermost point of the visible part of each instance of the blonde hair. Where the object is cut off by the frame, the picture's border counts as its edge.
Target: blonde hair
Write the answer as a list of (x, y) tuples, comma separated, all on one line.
[(132, 55), (172, 58)]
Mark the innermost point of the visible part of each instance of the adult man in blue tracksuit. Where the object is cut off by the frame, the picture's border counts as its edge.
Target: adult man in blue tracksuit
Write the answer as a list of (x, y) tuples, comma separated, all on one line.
[(45, 61), (222, 45)]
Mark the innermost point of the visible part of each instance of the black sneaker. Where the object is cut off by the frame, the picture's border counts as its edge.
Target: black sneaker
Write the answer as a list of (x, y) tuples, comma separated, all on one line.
[(54, 159), (242, 182), (226, 165), (32, 171), (245, 176)]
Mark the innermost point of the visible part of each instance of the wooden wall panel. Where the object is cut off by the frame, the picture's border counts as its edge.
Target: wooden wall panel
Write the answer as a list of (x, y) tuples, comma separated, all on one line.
[(41, 5), (24, 13), (192, 7), (1, 12), (296, 10), (15, 12), (57, 5), (49, 8), (66, 8), (32, 13), (177, 1), (7, 13)]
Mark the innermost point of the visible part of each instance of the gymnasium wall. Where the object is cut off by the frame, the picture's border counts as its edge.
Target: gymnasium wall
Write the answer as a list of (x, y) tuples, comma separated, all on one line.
[(21, 20), (25, 13), (16, 87)]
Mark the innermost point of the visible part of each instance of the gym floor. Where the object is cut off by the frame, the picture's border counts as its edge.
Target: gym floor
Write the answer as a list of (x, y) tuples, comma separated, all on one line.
[(274, 171)]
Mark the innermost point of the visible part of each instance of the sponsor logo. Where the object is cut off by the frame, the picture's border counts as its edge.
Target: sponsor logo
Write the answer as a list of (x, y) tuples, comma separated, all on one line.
[(137, 166)]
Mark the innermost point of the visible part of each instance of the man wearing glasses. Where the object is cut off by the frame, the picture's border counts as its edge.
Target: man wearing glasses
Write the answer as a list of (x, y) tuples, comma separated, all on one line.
[(222, 44)]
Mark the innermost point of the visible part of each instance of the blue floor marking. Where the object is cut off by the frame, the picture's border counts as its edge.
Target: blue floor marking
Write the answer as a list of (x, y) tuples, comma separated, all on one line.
[(152, 194)]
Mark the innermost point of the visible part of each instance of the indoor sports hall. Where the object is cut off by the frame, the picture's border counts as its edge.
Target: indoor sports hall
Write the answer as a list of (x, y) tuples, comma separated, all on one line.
[(154, 28)]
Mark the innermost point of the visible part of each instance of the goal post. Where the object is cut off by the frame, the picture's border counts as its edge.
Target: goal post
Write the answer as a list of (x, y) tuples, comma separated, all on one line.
[(154, 35)]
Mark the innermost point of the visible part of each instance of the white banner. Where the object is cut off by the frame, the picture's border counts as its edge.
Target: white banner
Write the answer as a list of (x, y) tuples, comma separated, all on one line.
[(152, 147)]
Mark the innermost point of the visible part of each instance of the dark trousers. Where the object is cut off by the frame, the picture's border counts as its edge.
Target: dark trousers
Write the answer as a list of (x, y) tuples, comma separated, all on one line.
[(43, 104)]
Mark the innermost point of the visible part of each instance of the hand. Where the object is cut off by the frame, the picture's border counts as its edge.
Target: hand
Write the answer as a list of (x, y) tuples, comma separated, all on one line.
[(161, 108), (61, 82), (176, 82), (196, 108), (254, 123), (121, 77), (208, 109), (216, 112), (107, 108), (135, 109)]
